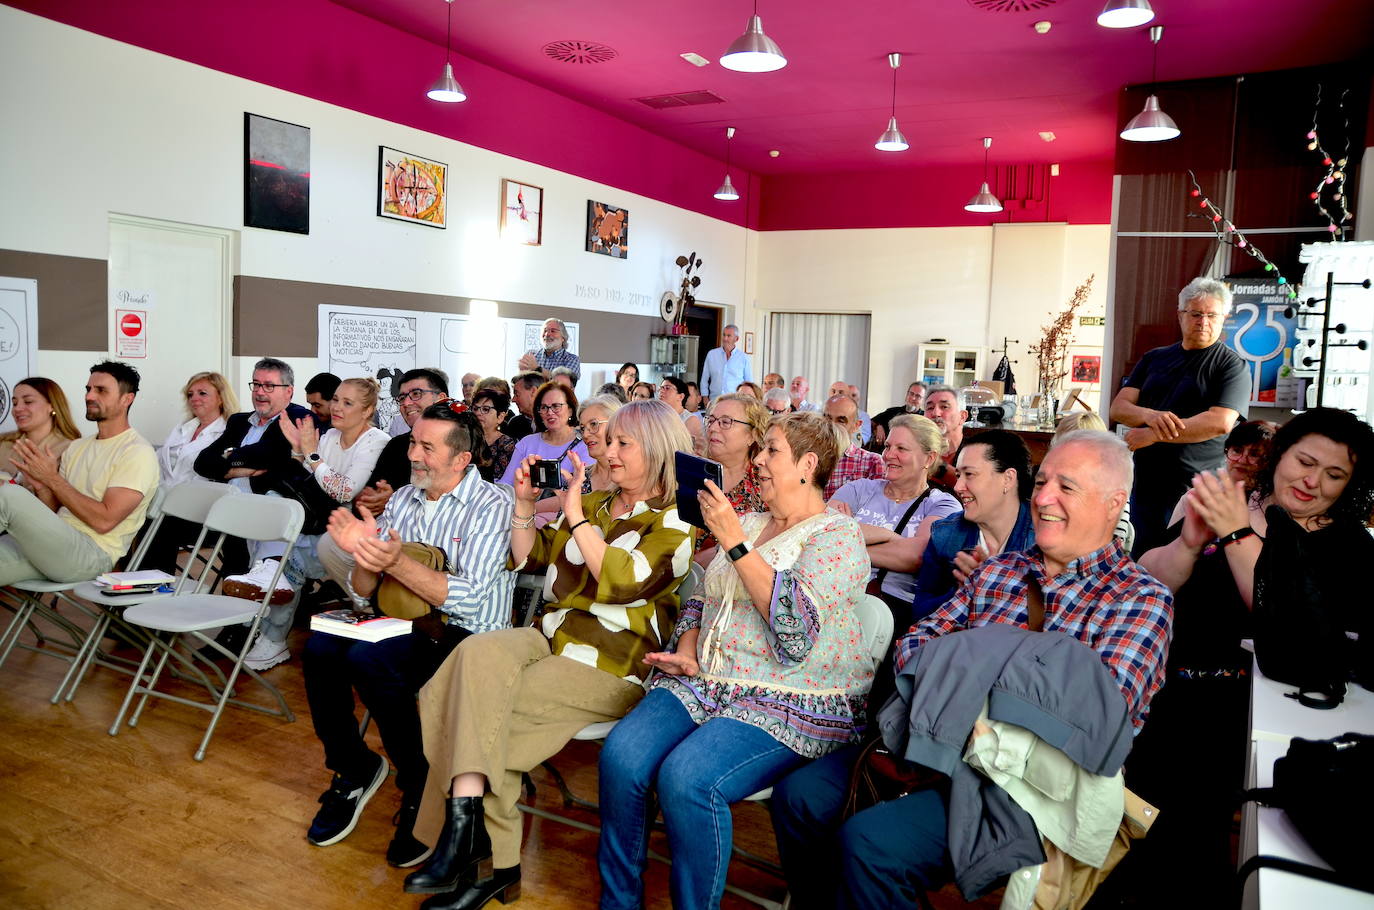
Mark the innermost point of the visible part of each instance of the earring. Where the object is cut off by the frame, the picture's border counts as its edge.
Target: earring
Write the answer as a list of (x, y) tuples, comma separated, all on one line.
[(803, 481)]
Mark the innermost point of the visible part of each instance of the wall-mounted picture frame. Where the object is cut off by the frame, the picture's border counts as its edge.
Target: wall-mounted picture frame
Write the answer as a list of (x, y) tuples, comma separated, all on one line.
[(608, 230), (411, 188), (522, 212), (748, 342), (276, 174), (1086, 368)]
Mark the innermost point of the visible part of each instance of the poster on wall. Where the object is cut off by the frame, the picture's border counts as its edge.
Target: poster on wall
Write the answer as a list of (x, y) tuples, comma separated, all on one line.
[(276, 175), (411, 188), (380, 344), (131, 334), (18, 339), (608, 230), (1259, 332)]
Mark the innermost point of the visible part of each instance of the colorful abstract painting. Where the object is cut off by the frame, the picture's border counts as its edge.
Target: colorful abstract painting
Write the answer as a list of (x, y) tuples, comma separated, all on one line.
[(276, 178), (522, 212), (411, 188), (608, 230)]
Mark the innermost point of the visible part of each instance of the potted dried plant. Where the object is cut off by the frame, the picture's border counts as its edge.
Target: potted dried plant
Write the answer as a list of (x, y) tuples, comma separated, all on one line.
[(1051, 353)]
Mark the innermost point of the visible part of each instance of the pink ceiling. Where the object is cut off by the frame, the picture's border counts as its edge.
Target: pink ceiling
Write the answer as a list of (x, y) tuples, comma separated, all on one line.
[(966, 73)]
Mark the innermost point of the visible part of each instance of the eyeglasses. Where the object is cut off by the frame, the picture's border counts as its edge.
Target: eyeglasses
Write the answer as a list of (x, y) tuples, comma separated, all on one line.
[(776, 411), (1252, 456), (724, 423), (415, 395), (1197, 316), (551, 408), (595, 424), (483, 408), (268, 387)]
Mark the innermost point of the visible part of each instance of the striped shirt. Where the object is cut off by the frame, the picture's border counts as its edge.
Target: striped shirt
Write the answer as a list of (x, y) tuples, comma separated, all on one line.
[(1102, 599), (471, 524), (559, 358)]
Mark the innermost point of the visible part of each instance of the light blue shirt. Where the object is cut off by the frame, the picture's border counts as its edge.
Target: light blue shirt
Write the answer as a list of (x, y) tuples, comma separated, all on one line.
[(721, 375)]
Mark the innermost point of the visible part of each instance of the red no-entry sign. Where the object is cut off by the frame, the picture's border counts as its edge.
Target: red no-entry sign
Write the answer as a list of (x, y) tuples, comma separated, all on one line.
[(131, 325)]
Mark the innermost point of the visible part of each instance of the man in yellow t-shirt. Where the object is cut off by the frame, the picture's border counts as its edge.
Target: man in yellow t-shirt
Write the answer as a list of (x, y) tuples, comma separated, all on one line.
[(71, 521)]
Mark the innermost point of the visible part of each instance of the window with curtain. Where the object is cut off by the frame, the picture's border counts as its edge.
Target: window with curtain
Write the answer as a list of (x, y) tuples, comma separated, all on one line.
[(823, 347)]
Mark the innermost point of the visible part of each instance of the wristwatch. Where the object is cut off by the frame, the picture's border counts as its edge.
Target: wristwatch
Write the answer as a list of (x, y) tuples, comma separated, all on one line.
[(738, 551), (314, 458)]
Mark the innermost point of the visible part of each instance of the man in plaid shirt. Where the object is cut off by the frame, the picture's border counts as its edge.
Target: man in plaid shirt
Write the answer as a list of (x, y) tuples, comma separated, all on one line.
[(856, 463), (555, 353), (1090, 589)]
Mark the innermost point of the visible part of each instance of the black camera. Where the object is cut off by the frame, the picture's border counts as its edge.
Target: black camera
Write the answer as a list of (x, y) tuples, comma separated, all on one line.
[(545, 475)]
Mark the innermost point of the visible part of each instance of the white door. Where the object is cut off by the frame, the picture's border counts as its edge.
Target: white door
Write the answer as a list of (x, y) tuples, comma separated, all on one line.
[(171, 285)]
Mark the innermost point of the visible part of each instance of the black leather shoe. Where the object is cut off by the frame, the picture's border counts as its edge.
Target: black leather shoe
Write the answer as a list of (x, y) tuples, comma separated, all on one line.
[(463, 850), (504, 885)]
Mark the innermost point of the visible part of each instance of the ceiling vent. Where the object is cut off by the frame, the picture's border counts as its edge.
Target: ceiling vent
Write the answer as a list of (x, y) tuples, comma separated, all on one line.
[(1011, 6), (579, 52), (680, 99)]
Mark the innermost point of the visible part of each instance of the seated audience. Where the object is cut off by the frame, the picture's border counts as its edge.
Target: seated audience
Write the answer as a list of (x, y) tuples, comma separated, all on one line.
[(750, 388), (493, 382), (994, 487), (71, 518), (1313, 498), (555, 352), (319, 394), (594, 416), (1247, 450), (469, 386), (563, 376), (449, 507), (339, 464), (800, 386), (766, 670), (614, 561), (41, 417), (734, 436), (673, 392), (1086, 587), (694, 400), (209, 402), (626, 377), (774, 381), (777, 401), (915, 397), (895, 513), (865, 421), (555, 410), (523, 386), (856, 463), (1087, 420), (942, 406), (615, 390), (643, 391), (490, 407)]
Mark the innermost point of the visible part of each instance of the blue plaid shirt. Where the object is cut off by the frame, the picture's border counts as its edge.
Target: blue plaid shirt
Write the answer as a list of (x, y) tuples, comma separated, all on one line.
[(559, 358), (1103, 599)]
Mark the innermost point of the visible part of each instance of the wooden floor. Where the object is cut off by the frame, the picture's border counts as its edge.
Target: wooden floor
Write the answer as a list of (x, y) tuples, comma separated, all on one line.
[(94, 821)]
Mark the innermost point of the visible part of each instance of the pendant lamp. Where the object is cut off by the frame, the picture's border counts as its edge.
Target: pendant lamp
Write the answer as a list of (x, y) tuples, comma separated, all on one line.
[(892, 139), (446, 88), (984, 201), (1151, 124), (753, 52), (727, 189), (1125, 13)]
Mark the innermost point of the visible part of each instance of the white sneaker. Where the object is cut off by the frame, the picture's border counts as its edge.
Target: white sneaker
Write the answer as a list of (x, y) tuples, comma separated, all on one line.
[(266, 654), (253, 585)]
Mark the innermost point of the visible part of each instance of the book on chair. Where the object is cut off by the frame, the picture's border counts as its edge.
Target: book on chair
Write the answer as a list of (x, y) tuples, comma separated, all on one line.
[(358, 625)]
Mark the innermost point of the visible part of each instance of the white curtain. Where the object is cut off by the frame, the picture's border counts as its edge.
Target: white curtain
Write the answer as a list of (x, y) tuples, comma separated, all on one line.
[(823, 347)]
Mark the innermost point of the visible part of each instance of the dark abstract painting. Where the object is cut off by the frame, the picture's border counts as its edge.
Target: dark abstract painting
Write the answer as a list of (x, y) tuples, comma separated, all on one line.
[(276, 175)]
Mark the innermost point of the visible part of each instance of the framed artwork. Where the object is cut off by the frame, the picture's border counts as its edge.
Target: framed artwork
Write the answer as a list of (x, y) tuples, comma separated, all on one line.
[(411, 188), (608, 230), (276, 175), (522, 212), (1086, 368), (748, 342)]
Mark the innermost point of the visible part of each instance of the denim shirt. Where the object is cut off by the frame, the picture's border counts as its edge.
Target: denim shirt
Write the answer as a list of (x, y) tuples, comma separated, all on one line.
[(935, 582)]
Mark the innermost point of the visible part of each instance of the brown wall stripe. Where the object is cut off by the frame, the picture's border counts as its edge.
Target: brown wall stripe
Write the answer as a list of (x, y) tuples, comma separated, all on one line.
[(72, 312)]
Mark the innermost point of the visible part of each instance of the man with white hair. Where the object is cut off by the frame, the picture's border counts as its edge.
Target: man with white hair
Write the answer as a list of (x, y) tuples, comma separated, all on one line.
[(1077, 581), (800, 386), (555, 353), (725, 368), (1181, 400), (777, 401)]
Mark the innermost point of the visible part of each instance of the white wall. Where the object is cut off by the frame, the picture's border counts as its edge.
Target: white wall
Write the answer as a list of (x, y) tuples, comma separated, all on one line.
[(970, 285), (94, 126)]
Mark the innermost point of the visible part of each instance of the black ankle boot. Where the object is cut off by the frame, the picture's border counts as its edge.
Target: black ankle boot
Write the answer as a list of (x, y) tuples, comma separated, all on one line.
[(463, 850), (504, 886)]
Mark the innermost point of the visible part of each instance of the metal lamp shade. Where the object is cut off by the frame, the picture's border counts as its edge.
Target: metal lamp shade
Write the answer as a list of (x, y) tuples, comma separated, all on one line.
[(753, 52), (1125, 13), (446, 88), (984, 201), (1151, 124), (892, 139), (727, 190)]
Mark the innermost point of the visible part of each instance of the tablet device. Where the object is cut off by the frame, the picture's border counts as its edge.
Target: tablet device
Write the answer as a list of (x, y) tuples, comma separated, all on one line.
[(692, 474)]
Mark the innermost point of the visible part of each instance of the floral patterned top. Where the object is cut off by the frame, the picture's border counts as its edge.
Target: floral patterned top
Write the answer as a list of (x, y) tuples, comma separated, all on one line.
[(745, 497), (501, 451), (803, 675), (612, 623)]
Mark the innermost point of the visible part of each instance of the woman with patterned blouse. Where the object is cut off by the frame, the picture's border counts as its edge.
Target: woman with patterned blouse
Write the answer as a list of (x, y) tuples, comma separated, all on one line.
[(490, 406), (767, 669), (505, 701), (734, 435)]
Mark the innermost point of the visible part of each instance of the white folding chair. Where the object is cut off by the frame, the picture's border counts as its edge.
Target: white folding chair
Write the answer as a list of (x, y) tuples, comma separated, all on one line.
[(251, 517)]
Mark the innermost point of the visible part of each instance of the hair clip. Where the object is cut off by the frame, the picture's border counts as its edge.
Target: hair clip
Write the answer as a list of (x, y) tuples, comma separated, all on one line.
[(458, 406)]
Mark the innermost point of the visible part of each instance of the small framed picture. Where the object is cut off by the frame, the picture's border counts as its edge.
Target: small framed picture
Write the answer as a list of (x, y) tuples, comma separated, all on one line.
[(411, 188), (1086, 368), (608, 230), (522, 212), (748, 342)]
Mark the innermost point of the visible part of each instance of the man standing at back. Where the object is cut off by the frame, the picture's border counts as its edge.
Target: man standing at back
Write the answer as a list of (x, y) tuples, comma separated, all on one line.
[(1181, 400), (725, 368), (555, 353), (71, 521)]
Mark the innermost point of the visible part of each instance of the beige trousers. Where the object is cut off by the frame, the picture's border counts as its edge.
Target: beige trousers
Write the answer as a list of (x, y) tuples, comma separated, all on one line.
[(499, 705)]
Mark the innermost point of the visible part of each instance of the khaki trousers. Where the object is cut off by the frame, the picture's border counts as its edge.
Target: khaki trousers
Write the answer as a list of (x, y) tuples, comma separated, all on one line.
[(499, 705)]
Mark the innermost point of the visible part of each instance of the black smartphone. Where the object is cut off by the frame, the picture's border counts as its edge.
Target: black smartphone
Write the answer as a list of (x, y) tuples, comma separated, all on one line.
[(545, 475), (692, 474)]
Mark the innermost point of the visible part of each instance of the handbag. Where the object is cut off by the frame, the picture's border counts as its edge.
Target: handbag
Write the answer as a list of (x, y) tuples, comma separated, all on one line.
[(879, 776), (395, 599), (1298, 639), (295, 482)]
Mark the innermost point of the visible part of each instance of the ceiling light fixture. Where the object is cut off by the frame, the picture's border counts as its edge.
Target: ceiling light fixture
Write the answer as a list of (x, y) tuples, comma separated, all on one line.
[(984, 201), (753, 52), (446, 88), (1151, 124), (892, 139), (1125, 13), (727, 190)]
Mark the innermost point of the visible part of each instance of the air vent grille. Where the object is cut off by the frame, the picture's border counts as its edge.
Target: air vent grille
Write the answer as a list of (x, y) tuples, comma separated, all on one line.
[(681, 99), (1011, 6), (579, 52)]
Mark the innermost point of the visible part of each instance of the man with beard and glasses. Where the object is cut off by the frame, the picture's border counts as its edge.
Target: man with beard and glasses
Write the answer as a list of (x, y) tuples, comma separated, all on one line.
[(71, 519), (446, 505), (555, 353)]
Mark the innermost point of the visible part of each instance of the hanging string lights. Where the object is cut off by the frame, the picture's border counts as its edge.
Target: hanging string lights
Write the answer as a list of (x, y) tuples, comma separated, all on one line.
[(1231, 235), (1332, 181)]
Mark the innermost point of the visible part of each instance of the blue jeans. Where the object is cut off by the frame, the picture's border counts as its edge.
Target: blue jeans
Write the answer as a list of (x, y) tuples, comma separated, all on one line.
[(699, 771), (884, 856)]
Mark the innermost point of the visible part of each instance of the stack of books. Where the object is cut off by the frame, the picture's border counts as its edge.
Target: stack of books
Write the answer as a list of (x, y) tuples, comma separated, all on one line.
[(358, 625), (121, 584)]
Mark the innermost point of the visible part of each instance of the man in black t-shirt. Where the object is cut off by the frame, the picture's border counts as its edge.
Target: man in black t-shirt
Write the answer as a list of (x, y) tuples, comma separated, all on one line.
[(1181, 401)]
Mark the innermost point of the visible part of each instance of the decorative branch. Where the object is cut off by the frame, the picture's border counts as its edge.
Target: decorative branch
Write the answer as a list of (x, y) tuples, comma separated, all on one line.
[(1053, 347)]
